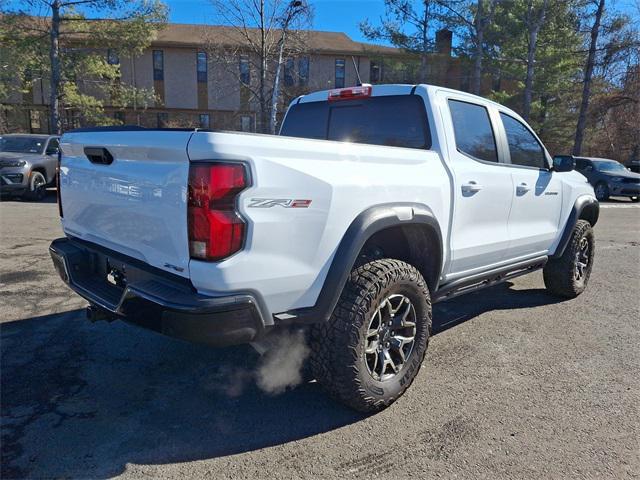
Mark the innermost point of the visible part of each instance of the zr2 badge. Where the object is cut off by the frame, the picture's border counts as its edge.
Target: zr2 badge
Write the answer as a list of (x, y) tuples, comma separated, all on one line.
[(278, 202)]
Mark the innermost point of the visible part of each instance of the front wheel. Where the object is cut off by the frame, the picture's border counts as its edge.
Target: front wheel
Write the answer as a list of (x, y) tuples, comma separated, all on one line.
[(37, 186), (635, 199), (568, 275), (370, 350), (602, 191)]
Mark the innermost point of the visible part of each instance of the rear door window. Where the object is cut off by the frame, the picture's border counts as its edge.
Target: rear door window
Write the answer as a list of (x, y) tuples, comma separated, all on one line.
[(395, 121), (473, 132), (524, 148)]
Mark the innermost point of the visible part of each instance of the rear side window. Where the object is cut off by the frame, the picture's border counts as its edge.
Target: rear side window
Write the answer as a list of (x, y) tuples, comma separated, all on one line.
[(307, 120), (524, 148), (395, 121), (472, 128)]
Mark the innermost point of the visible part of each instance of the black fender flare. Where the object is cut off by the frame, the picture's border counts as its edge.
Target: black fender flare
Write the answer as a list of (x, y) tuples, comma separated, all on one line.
[(582, 203), (363, 227)]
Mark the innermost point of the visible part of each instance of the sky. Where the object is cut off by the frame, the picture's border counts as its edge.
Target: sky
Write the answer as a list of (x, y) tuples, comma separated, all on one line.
[(336, 15), (331, 15)]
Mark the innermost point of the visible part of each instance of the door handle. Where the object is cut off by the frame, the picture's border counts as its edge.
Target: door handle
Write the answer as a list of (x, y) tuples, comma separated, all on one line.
[(522, 189), (471, 187), (98, 155)]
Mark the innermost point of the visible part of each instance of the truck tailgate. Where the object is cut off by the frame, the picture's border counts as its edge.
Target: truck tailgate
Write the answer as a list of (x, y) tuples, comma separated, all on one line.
[(137, 203)]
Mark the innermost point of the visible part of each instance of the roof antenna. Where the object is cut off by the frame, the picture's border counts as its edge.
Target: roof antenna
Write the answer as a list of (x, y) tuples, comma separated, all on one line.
[(357, 72)]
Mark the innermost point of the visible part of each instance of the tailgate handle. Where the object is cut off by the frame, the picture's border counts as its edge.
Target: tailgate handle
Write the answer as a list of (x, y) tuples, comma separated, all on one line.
[(98, 155)]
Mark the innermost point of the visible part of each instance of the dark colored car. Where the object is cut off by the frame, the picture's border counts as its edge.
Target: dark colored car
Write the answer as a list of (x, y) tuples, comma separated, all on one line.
[(609, 178), (28, 164), (634, 165)]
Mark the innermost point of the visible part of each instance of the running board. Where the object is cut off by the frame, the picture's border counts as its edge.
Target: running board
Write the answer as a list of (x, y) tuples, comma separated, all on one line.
[(488, 279)]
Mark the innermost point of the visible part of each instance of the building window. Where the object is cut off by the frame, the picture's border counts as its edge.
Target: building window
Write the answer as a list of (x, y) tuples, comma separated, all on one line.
[(112, 57), (375, 72), (245, 70), (303, 71), (339, 83), (202, 67), (158, 65), (34, 120), (205, 121), (163, 119), (73, 119), (288, 72), (119, 116), (246, 123)]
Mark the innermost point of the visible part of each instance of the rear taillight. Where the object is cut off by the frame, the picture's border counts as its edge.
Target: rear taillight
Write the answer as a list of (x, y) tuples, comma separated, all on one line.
[(216, 230), (58, 197), (350, 93)]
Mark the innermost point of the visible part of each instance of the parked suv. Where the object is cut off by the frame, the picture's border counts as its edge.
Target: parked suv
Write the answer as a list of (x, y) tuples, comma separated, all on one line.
[(28, 164), (609, 178), (372, 204)]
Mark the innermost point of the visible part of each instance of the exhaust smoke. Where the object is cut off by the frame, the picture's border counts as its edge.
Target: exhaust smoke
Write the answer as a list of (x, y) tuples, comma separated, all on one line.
[(279, 367)]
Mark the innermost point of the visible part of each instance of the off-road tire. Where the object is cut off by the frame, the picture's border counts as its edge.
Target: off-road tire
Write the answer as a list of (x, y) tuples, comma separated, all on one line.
[(560, 274), (338, 360)]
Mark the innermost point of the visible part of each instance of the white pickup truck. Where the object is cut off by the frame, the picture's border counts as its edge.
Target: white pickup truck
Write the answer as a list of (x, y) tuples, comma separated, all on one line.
[(372, 203)]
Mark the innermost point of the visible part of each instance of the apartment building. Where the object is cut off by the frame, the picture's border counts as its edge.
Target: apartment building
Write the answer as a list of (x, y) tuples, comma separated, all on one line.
[(198, 87)]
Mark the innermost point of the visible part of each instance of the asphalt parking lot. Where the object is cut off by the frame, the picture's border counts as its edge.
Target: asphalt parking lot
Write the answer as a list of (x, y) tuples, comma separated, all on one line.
[(516, 384)]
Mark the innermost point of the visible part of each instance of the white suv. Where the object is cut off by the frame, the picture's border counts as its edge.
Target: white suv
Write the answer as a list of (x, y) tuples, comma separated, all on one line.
[(373, 203)]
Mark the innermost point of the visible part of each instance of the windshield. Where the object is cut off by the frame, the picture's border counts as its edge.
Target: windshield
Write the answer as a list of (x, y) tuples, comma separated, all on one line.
[(609, 166), (22, 144)]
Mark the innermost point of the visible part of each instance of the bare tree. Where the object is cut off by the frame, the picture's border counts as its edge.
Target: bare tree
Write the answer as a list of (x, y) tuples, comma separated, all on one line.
[(534, 21), (588, 73), (256, 33), (295, 8)]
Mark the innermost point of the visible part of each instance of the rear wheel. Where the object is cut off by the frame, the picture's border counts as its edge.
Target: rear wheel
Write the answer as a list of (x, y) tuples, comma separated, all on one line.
[(568, 275), (602, 191), (371, 349), (37, 186)]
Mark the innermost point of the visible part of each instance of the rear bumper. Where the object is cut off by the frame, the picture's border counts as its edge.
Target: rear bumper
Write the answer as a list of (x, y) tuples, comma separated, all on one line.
[(154, 299)]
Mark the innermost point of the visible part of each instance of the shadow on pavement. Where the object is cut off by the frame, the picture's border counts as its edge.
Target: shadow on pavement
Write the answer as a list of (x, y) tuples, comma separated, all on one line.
[(83, 400), (453, 312), (50, 197)]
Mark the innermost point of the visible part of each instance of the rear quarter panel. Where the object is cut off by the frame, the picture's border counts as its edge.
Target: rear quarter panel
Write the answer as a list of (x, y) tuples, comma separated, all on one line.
[(289, 250), (574, 186)]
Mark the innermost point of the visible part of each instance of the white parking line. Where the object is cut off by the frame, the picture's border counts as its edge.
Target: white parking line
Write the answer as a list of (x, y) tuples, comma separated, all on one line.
[(610, 205)]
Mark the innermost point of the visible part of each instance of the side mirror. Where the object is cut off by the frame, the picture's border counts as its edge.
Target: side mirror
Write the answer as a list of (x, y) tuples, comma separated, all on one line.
[(563, 163)]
